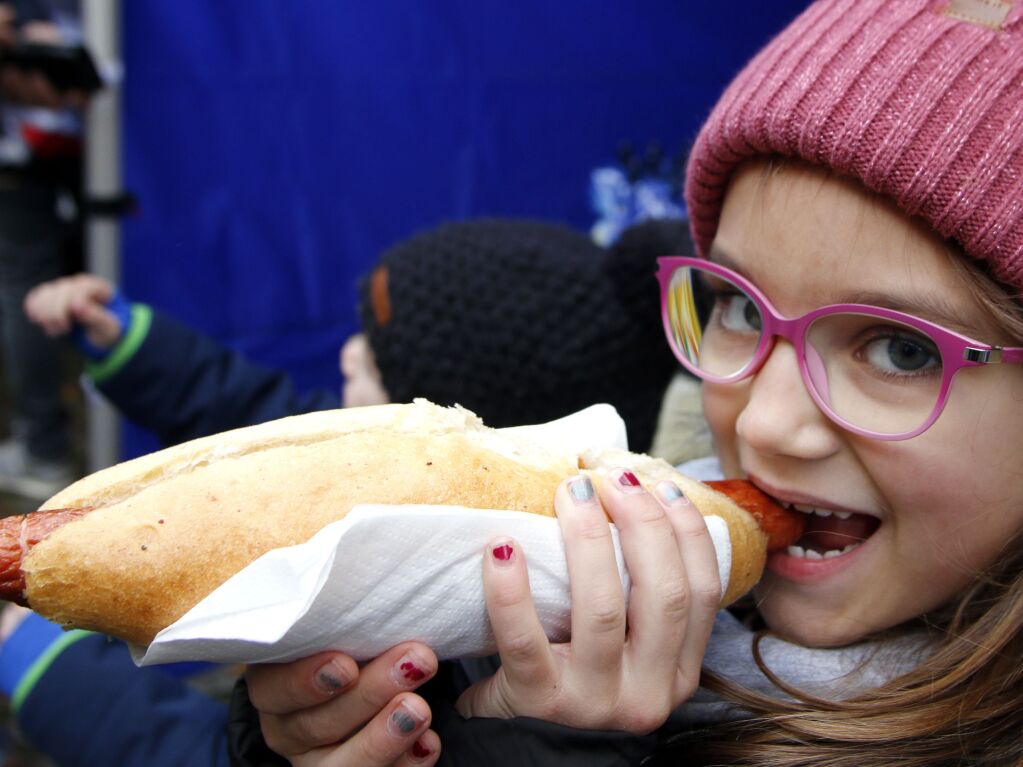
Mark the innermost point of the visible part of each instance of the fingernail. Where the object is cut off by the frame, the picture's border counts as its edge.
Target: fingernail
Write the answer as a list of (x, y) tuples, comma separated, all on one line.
[(331, 677), (502, 554), (628, 482), (581, 488), (409, 670), (419, 751), (670, 492), (403, 721)]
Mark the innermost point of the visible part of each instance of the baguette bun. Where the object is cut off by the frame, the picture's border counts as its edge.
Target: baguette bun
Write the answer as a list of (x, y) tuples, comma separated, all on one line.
[(170, 527)]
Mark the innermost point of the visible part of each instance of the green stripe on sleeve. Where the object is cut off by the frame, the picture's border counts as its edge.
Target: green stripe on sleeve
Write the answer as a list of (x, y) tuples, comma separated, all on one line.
[(141, 319), (42, 663)]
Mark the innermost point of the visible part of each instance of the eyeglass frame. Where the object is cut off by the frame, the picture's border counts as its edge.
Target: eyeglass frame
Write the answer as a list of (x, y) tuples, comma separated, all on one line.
[(957, 351)]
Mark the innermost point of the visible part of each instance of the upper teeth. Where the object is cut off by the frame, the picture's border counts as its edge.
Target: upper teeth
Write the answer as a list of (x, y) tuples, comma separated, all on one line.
[(814, 510), (802, 553)]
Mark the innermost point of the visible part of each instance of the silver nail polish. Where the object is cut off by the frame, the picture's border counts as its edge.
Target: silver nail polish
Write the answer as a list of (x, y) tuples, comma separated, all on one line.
[(581, 488), (670, 491)]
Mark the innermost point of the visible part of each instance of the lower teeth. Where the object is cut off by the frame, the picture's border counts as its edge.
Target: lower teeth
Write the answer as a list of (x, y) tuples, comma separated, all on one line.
[(799, 551)]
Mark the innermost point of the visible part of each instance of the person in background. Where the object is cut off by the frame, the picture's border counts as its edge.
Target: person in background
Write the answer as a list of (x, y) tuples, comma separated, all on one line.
[(443, 313), (40, 168), (856, 317)]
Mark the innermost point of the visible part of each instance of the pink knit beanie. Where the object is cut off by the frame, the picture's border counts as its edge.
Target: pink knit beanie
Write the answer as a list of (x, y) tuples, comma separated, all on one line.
[(921, 100)]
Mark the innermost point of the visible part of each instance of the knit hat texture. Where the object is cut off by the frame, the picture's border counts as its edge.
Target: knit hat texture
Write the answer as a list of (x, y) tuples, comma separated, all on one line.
[(921, 100), (522, 321)]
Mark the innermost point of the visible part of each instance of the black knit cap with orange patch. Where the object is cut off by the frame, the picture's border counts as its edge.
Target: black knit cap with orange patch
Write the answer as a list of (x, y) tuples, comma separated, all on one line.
[(524, 321)]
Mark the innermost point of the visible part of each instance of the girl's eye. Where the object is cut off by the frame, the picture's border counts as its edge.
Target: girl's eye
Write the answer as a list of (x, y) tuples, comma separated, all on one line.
[(738, 313), (898, 352)]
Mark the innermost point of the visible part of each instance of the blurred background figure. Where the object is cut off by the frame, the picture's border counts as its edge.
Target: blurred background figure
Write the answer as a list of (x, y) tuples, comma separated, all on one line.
[(40, 174)]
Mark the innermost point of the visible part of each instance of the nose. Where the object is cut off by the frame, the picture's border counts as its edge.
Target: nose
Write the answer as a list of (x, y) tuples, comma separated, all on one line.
[(779, 416)]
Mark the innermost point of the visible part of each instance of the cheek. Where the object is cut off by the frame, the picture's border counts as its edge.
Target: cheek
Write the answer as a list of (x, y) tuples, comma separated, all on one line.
[(952, 506), (721, 407)]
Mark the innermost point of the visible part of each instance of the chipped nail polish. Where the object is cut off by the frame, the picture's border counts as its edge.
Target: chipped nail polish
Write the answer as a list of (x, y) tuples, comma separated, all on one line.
[(581, 488), (409, 670), (403, 721), (502, 554), (331, 678), (419, 751), (629, 482), (669, 491)]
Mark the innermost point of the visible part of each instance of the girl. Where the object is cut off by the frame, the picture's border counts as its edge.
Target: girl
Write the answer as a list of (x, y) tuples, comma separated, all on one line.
[(857, 202)]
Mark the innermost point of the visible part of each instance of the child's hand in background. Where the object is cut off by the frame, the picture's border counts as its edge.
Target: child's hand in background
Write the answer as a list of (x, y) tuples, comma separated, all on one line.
[(57, 306)]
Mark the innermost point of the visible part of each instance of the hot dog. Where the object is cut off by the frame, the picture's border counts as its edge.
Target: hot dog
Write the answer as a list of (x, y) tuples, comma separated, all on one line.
[(128, 550)]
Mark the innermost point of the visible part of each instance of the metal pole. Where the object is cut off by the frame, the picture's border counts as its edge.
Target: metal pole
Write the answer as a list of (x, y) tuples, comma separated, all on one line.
[(102, 179)]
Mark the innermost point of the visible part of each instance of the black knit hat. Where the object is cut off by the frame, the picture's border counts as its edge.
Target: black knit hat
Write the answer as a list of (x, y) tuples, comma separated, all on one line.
[(523, 321)]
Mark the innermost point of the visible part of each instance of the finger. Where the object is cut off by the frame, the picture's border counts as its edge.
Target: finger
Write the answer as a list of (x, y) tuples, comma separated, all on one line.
[(527, 663), (659, 594), (34, 304), (598, 602), (102, 327), (93, 287), (388, 738), (521, 640), (400, 669), (281, 688), (699, 559), (46, 306)]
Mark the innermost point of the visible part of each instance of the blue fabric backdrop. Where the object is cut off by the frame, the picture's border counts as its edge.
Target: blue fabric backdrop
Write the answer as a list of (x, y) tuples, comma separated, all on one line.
[(276, 146)]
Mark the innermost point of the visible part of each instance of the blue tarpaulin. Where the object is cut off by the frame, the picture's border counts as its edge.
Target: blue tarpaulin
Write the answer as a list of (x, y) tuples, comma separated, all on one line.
[(277, 146)]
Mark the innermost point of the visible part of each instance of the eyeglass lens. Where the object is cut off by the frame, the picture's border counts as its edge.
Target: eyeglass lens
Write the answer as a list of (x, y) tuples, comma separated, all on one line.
[(873, 372)]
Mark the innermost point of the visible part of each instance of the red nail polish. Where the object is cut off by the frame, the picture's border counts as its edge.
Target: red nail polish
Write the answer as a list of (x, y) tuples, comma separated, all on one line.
[(503, 552), (628, 479), (419, 751), (408, 671), (411, 671)]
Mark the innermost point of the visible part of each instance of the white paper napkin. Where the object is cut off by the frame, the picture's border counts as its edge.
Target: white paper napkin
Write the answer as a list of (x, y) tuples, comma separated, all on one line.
[(382, 575), (385, 574)]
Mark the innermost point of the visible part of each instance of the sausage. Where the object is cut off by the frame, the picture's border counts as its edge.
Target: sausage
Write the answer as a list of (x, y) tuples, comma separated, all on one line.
[(18, 534), (783, 526)]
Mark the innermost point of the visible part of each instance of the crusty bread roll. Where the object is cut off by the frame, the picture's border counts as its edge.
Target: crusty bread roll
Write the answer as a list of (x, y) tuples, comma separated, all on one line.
[(170, 527)]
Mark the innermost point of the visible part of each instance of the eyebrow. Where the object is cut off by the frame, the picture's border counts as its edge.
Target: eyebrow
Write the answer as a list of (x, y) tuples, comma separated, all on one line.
[(929, 308), (925, 307)]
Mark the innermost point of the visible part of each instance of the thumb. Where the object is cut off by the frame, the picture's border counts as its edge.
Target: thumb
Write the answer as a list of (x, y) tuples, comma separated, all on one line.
[(488, 698), (102, 328)]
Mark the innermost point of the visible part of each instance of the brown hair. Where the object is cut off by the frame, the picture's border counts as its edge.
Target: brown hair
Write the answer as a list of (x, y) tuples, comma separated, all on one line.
[(963, 705)]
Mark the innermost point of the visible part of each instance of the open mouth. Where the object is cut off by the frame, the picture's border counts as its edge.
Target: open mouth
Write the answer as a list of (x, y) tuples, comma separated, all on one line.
[(830, 533)]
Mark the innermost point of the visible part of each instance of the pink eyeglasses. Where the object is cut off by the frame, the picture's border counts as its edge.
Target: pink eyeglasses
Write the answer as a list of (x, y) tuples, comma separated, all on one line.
[(876, 372)]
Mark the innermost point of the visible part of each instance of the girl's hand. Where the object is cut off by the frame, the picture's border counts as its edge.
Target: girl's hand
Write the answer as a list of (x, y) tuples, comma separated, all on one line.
[(623, 669), (325, 710)]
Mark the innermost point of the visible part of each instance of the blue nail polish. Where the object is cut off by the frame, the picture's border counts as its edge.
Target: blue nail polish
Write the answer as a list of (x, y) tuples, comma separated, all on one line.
[(581, 488), (670, 491), (403, 721)]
